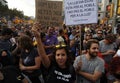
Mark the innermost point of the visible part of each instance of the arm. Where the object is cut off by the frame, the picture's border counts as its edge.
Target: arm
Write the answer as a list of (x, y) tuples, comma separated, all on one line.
[(108, 52), (25, 80), (77, 64), (30, 68), (117, 53), (44, 58), (16, 51), (93, 77)]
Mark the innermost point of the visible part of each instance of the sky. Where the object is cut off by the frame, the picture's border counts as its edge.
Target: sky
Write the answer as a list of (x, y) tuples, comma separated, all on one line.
[(27, 6)]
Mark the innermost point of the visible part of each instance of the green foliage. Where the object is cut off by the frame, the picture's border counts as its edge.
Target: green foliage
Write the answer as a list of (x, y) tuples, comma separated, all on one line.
[(14, 12), (5, 11)]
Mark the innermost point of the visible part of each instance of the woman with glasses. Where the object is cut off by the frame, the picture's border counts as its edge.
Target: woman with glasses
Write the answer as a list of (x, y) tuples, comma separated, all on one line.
[(59, 66)]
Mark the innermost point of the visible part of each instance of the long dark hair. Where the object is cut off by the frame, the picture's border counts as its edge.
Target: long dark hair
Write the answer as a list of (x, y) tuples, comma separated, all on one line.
[(69, 57)]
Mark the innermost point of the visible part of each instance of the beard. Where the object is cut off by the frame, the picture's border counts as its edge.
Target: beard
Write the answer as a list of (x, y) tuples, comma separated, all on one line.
[(93, 54)]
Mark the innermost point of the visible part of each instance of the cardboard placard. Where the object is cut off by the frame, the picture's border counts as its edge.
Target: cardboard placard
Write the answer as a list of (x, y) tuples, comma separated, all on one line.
[(49, 13)]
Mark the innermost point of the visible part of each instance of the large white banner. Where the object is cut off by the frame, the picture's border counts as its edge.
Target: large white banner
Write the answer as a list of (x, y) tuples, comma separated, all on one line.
[(80, 12)]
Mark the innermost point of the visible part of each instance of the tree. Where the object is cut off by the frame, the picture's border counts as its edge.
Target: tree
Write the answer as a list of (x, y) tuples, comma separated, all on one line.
[(17, 13), (11, 13), (3, 10)]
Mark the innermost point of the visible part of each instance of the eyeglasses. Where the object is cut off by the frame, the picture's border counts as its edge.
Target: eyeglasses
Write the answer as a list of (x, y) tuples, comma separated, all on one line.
[(60, 45)]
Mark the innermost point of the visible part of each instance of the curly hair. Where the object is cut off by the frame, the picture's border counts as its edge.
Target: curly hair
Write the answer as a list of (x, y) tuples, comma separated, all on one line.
[(25, 42)]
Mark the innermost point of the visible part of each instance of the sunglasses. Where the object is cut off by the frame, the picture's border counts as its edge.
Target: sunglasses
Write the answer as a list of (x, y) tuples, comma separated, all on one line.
[(60, 45)]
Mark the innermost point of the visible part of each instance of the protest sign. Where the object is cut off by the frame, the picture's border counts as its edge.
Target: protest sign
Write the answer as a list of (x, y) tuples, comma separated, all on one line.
[(49, 12), (80, 12)]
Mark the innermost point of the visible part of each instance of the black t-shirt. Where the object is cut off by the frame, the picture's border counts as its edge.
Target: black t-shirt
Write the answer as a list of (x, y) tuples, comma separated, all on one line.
[(11, 75), (29, 58), (5, 45), (59, 75)]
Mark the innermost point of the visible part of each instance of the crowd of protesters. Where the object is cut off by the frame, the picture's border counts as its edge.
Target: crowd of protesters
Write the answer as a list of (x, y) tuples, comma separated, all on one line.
[(67, 54)]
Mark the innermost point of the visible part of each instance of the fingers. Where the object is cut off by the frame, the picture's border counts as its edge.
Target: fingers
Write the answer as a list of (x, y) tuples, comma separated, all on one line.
[(36, 29), (36, 26), (79, 65)]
